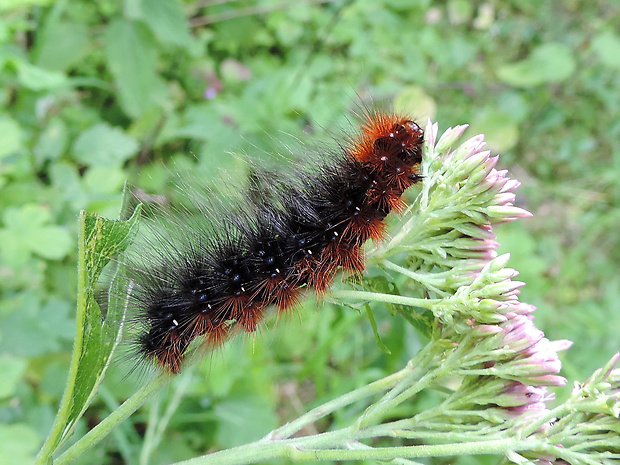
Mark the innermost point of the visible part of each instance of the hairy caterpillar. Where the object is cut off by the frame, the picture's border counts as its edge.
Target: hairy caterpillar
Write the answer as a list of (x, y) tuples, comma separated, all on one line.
[(292, 238)]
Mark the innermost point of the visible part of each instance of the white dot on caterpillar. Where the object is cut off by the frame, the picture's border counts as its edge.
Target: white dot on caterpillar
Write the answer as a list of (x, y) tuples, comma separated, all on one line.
[(277, 270), (242, 289), (204, 310), (384, 158), (175, 322)]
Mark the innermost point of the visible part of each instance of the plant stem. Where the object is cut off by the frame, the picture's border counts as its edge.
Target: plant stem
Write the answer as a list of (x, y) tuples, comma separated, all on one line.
[(295, 450), (388, 298), (109, 423), (495, 447), (157, 424), (427, 279), (55, 437), (349, 398)]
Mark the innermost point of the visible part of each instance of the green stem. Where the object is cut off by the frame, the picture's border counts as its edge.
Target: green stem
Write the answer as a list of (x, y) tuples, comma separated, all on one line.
[(157, 424), (410, 227), (428, 280), (108, 424), (396, 461), (405, 389), (55, 437), (296, 450), (349, 398), (275, 444), (387, 298), (392, 399), (496, 447), (125, 435)]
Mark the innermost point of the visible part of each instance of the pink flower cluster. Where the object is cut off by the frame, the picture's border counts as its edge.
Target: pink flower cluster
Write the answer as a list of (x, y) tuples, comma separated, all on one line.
[(519, 359)]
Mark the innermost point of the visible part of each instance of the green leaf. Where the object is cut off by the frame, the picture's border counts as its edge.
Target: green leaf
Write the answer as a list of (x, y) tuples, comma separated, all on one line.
[(104, 180), (201, 122), (460, 11), (38, 79), (96, 337), (415, 101), (26, 231), (551, 62), (500, 130), (103, 145), (373, 323), (52, 142), (8, 5), (48, 326), (51, 242), (18, 442), (233, 414), (62, 45), (166, 20), (12, 369), (132, 57), (607, 47), (11, 136)]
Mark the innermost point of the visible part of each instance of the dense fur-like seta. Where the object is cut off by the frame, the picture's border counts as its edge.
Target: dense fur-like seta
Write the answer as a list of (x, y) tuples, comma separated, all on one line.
[(297, 237)]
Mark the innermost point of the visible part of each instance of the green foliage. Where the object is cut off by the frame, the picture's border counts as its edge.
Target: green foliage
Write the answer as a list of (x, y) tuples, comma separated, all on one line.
[(97, 333), (95, 93), (549, 63), (101, 145), (18, 443)]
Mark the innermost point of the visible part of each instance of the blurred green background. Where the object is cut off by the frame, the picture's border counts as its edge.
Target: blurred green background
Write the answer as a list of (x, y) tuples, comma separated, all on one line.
[(96, 93)]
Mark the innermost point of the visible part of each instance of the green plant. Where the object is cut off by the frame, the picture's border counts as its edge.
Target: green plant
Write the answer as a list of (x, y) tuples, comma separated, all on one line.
[(489, 364)]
